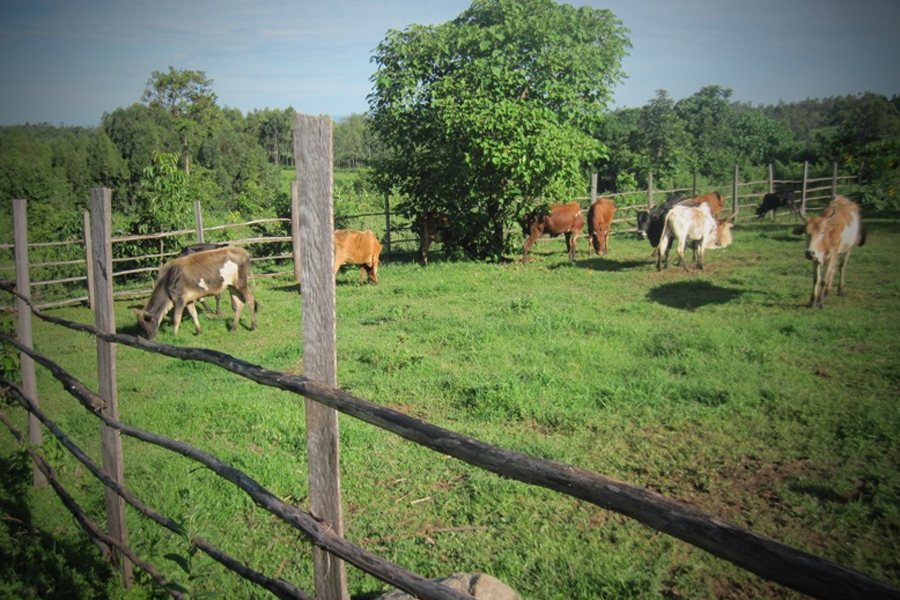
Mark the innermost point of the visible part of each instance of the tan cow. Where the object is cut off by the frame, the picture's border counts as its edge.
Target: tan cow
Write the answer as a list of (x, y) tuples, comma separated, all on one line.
[(185, 280), (600, 218), (829, 235), (562, 219), (361, 248)]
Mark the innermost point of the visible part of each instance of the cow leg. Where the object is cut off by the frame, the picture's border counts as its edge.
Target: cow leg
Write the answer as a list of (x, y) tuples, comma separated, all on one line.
[(219, 304), (815, 301), (684, 264), (573, 244), (192, 309), (843, 268), (527, 246), (238, 299), (176, 316)]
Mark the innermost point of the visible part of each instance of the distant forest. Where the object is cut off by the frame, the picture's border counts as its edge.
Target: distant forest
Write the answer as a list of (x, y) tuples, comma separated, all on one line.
[(161, 154)]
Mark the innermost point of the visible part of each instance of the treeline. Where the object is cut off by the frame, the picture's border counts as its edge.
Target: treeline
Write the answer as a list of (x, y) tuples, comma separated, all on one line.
[(157, 159)]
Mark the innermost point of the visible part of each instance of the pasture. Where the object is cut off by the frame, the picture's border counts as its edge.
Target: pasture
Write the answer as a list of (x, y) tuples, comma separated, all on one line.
[(718, 388)]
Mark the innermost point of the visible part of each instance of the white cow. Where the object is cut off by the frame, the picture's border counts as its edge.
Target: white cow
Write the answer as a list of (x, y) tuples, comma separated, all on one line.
[(694, 223)]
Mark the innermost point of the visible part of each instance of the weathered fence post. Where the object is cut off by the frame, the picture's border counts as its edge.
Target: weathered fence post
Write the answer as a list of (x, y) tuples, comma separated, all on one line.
[(198, 221), (650, 190), (23, 331), (805, 184), (295, 229), (771, 178), (387, 223), (593, 188), (694, 195), (105, 318), (734, 192), (313, 154), (89, 258), (834, 178)]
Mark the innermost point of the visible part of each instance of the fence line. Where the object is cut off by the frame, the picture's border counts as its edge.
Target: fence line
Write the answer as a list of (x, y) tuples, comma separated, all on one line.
[(623, 225), (764, 556)]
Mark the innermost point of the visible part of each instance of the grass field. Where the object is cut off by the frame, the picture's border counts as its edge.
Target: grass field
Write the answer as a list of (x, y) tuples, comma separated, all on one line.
[(718, 388)]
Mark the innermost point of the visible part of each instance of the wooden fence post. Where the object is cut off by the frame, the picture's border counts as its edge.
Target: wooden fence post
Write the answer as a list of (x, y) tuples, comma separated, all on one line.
[(593, 188), (89, 258), (295, 229), (805, 184), (198, 221), (313, 152), (734, 193), (834, 177), (771, 178), (387, 223), (23, 331), (105, 318), (695, 185), (650, 190)]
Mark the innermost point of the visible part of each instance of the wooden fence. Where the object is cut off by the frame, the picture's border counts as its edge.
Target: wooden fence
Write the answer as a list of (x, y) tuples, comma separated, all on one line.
[(758, 554)]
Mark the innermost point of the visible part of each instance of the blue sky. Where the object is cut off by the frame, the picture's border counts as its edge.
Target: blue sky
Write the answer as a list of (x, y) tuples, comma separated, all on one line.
[(69, 61)]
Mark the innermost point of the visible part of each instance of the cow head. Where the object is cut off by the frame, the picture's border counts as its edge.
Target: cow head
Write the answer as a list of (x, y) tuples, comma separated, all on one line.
[(147, 324), (643, 222), (815, 230)]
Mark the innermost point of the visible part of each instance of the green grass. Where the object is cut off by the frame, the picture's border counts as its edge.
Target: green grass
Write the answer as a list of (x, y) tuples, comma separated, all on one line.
[(718, 388)]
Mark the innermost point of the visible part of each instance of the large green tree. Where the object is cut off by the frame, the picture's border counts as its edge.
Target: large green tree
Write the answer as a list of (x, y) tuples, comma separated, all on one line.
[(188, 97), (491, 114)]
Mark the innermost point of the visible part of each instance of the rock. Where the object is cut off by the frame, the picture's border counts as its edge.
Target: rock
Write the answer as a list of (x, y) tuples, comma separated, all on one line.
[(478, 585)]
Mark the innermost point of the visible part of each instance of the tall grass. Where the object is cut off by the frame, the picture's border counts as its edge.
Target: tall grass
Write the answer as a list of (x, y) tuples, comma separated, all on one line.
[(718, 388)]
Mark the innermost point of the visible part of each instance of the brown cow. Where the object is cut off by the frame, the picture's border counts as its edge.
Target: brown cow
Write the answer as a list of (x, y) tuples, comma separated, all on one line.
[(829, 235), (430, 228), (357, 248), (600, 217), (562, 219), (714, 200), (185, 280)]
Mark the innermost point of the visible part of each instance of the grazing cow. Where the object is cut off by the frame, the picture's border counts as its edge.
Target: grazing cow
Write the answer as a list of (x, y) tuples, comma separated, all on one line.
[(430, 228), (361, 248), (185, 280), (600, 217), (775, 200), (829, 235), (195, 248), (562, 219), (696, 223)]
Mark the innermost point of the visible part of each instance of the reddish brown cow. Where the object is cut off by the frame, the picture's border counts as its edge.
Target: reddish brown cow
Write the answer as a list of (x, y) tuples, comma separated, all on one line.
[(562, 219), (185, 280), (829, 235), (714, 200), (600, 217), (361, 248)]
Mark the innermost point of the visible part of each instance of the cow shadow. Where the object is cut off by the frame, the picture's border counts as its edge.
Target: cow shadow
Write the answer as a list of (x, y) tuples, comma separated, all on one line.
[(609, 266), (691, 295)]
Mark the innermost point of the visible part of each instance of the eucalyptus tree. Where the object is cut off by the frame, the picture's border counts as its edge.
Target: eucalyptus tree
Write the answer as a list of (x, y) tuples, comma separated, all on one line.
[(491, 114)]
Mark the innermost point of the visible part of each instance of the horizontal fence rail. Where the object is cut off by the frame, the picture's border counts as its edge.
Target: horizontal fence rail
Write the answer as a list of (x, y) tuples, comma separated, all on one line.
[(764, 556)]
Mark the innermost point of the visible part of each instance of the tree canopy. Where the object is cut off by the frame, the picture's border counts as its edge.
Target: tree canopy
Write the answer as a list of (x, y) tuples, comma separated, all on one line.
[(492, 113)]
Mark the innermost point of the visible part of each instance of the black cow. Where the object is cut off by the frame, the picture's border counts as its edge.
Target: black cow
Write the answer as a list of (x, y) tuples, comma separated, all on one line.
[(775, 200), (650, 223)]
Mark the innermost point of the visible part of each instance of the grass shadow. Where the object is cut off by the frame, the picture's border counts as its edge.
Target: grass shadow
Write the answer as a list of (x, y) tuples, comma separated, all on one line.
[(610, 266), (691, 295)]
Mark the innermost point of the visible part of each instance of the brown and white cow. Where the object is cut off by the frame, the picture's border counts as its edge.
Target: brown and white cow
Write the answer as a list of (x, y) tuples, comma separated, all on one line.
[(600, 218), (562, 219), (361, 248), (205, 247), (692, 223), (829, 235), (185, 280)]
